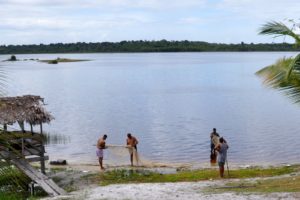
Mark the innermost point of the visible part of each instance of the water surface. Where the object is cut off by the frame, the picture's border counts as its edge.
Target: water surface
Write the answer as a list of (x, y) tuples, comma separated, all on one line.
[(169, 101)]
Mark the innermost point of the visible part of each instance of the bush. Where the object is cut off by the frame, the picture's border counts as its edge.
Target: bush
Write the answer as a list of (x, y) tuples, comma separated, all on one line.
[(13, 58)]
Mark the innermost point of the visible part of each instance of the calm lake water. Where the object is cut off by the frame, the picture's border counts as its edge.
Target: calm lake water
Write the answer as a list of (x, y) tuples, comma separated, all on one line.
[(169, 101)]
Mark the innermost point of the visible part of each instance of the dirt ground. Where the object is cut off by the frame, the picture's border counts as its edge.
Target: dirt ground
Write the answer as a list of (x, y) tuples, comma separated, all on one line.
[(83, 188)]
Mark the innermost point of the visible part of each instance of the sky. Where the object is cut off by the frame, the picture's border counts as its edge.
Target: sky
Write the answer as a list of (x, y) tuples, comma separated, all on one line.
[(68, 21)]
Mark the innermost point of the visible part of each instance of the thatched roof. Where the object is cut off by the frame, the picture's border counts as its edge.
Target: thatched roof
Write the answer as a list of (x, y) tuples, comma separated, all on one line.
[(28, 108)]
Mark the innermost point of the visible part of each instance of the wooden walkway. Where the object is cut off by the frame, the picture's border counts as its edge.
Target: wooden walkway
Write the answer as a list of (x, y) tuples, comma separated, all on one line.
[(45, 182), (24, 148)]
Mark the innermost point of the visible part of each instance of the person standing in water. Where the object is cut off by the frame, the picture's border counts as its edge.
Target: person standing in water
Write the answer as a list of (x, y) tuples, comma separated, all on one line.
[(132, 143), (214, 140), (222, 148), (99, 151)]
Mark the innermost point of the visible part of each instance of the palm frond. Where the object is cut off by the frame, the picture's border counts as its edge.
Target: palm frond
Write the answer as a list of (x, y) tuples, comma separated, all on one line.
[(278, 29), (276, 76), (294, 66), (12, 180), (3, 81)]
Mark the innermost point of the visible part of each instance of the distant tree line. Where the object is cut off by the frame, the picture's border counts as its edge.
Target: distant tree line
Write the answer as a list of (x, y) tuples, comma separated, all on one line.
[(143, 46)]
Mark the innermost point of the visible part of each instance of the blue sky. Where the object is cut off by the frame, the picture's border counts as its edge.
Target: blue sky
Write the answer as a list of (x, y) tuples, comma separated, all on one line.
[(221, 21)]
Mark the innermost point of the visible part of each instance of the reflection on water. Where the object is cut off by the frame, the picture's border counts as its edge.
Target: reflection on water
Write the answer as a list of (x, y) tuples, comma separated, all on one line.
[(54, 138), (169, 101)]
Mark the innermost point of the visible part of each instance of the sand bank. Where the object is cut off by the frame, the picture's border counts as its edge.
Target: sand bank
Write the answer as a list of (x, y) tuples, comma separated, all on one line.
[(168, 191)]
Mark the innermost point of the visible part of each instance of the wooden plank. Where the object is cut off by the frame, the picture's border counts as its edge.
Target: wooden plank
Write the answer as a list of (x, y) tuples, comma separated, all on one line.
[(35, 158), (46, 183), (31, 151)]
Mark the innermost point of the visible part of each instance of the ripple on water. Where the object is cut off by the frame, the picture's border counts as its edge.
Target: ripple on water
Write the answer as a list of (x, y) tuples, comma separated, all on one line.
[(170, 108)]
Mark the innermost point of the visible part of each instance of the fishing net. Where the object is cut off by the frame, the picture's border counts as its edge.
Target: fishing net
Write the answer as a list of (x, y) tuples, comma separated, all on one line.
[(119, 155)]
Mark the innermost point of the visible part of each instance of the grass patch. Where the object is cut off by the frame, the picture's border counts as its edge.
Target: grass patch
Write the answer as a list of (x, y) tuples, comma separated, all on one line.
[(289, 184), (10, 196), (55, 169), (58, 60), (144, 176)]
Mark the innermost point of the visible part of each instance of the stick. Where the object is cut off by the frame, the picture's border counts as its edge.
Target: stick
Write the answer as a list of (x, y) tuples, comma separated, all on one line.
[(227, 167)]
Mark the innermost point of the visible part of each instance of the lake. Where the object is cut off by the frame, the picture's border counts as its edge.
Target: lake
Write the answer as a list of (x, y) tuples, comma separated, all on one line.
[(169, 101)]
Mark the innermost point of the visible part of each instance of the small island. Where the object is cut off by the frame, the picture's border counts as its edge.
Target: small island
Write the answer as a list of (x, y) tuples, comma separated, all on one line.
[(58, 60), (12, 58)]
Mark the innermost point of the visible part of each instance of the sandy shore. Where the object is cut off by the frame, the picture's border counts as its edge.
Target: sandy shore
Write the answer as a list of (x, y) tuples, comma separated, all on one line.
[(149, 191), (167, 191)]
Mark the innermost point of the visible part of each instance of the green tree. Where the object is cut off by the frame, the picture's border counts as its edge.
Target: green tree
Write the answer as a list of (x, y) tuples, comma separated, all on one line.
[(285, 73)]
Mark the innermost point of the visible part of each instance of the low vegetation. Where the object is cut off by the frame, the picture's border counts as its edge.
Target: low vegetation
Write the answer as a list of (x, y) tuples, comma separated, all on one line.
[(144, 176), (63, 60), (13, 183), (143, 46), (287, 184)]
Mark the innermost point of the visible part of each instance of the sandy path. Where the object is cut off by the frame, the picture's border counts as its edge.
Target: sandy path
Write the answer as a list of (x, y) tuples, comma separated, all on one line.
[(168, 191)]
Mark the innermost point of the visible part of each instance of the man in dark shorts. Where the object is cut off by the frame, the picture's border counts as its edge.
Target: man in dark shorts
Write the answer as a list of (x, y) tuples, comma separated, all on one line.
[(99, 151), (214, 140), (131, 142)]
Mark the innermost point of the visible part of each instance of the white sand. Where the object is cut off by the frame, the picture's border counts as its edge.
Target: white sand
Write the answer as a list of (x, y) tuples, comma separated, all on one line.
[(168, 191)]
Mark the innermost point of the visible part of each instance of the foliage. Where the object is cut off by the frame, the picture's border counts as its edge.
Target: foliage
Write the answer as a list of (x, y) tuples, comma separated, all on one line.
[(279, 29), (286, 184), (13, 58), (10, 196), (13, 183), (280, 76), (144, 176), (285, 73), (3, 80), (11, 179), (142, 46)]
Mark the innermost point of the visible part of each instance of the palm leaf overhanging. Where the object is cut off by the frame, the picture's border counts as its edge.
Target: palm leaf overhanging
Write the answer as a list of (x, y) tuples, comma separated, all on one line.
[(3, 80), (285, 73), (279, 29), (12, 180), (275, 76)]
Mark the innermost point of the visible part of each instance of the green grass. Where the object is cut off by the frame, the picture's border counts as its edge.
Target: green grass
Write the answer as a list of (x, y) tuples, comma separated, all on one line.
[(289, 184), (10, 196), (144, 176)]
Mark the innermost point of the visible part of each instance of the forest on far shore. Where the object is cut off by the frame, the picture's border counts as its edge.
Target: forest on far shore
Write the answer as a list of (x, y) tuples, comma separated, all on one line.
[(143, 46)]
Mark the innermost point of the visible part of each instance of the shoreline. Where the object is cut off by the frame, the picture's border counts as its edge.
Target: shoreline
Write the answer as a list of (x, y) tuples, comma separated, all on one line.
[(94, 167), (87, 184)]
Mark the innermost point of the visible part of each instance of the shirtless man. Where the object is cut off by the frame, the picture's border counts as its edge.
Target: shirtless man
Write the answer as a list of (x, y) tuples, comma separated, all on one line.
[(131, 142), (99, 151)]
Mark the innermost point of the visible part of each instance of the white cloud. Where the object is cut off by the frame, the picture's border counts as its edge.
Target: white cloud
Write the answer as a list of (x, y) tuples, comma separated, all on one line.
[(153, 4), (191, 21), (113, 20), (263, 10)]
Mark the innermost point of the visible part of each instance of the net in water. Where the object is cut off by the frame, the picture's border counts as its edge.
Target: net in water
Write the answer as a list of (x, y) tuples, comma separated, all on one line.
[(119, 155)]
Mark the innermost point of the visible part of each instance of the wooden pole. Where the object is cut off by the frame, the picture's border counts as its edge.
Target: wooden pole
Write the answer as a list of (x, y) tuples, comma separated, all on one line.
[(42, 151), (22, 146), (227, 168), (31, 128), (41, 128), (21, 124), (42, 159)]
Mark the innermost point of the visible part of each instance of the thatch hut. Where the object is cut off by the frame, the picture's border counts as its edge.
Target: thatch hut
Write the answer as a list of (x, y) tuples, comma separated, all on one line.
[(21, 109), (25, 109)]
